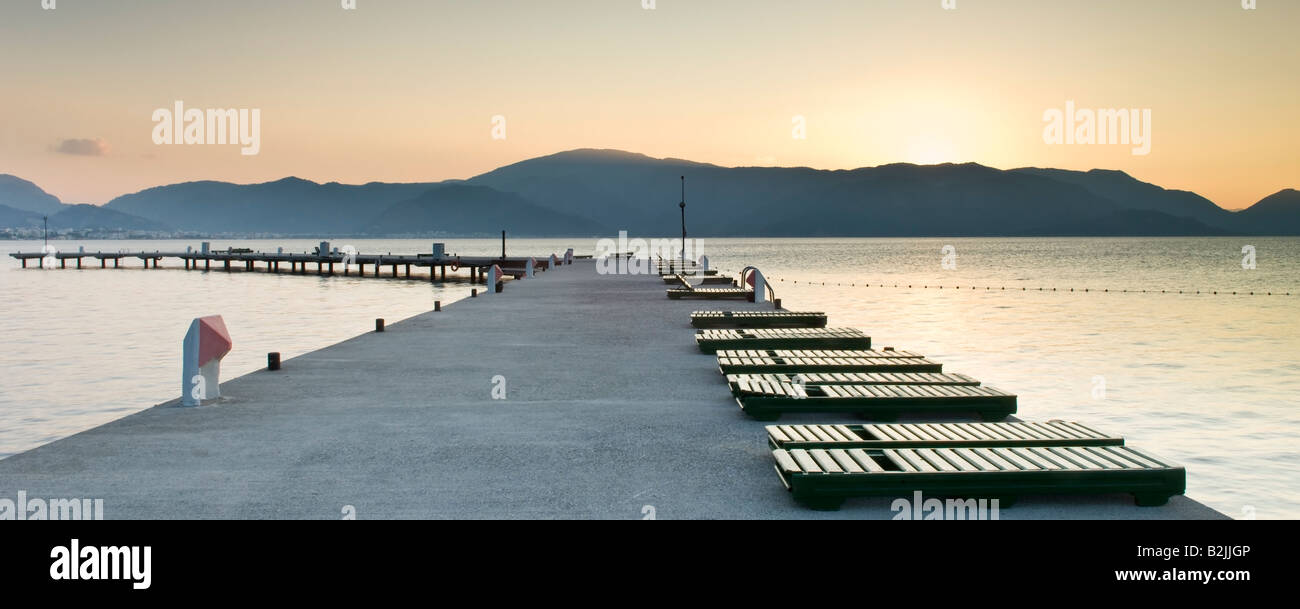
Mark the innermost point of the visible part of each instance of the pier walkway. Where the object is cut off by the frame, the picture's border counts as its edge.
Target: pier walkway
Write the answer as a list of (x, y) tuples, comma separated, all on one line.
[(611, 411), (299, 263)]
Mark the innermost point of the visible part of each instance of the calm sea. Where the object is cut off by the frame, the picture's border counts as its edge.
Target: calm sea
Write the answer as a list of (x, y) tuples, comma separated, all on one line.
[(1210, 380)]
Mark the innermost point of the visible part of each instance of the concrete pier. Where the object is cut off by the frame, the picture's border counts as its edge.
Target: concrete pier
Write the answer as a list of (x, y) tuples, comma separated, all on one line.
[(610, 411)]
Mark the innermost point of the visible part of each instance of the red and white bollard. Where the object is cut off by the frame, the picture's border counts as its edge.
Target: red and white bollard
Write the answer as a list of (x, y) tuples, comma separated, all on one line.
[(205, 344)]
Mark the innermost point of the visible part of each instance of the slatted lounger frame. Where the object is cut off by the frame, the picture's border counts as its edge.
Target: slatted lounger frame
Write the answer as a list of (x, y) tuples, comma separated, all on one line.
[(853, 378), (711, 293), (745, 364), (711, 341), (824, 478), (768, 401), (758, 319), (938, 435), (886, 352), (666, 271)]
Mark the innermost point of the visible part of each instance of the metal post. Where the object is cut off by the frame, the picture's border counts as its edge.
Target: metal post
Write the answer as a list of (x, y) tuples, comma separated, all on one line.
[(683, 206)]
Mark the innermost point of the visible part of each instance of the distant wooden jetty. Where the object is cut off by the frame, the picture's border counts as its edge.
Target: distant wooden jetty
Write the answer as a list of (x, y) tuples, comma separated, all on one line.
[(329, 263)]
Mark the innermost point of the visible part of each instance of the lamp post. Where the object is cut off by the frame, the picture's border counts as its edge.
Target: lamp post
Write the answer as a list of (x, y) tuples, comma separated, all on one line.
[(683, 206), (45, 233)]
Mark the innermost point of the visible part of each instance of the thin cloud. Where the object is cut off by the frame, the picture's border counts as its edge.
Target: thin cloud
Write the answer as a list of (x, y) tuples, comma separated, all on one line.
[(83, 147)]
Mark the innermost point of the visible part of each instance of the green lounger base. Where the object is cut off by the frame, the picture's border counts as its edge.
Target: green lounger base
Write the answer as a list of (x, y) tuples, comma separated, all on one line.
[(823, 479), (1006, 497), (771, 409)]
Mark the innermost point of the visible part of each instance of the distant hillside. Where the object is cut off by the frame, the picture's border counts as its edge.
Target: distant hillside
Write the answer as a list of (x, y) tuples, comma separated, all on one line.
[(640, 193), (93, 216), (463, 209), (618, 189), (1130, 193), (1131, 223), (289, 206), (1276, 214), (17, 218), (582, 192), (949, 200), (20, 194)]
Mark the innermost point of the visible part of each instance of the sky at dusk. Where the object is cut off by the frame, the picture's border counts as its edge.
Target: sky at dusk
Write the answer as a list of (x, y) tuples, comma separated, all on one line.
[(406, 90)]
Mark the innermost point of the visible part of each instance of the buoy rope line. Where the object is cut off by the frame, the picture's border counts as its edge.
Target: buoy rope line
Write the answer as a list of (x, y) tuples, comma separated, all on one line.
[(1023, 288)]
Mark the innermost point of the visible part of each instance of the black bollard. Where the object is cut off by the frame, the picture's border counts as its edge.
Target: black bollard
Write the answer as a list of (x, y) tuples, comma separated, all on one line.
[(437, 305), (273, 360), (473, 293), (379, 325)]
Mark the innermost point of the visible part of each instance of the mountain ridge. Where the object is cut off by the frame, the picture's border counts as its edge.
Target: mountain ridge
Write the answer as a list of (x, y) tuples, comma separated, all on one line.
[(605, 190)]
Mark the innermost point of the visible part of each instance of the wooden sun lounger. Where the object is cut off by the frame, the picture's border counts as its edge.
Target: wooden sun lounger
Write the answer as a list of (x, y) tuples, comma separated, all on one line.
[(937, 435), (711, 293), (740, 362), (735, 381), (704, 280), (665, 273), (824, 478), (767, 401), (669, 268), (690, 269), (758, 319), (711, 341)]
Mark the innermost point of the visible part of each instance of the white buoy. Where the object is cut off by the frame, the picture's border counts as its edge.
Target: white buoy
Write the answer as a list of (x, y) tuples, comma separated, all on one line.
[(205, 344)]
